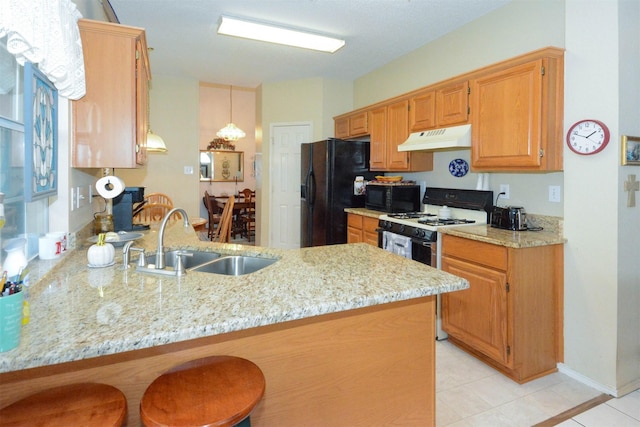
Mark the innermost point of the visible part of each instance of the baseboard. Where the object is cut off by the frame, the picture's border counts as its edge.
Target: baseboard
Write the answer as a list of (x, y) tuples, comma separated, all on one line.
[(628, 388)]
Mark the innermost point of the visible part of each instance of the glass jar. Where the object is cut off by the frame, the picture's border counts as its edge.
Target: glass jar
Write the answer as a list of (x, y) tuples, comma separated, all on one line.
[(102, 223)]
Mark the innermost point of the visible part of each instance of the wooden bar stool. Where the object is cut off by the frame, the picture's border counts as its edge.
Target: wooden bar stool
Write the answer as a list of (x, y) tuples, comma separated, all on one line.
[(85, 404), (213, 391)]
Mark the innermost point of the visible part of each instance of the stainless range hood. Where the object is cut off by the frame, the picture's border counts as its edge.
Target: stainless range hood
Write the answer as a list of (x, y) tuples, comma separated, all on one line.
[(451, 138)]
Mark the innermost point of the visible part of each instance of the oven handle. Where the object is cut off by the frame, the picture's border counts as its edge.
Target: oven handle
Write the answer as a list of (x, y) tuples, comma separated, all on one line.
[(421, 242)]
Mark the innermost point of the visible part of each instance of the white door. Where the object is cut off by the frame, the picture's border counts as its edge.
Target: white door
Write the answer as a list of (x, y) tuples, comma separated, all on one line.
[(284, 170)]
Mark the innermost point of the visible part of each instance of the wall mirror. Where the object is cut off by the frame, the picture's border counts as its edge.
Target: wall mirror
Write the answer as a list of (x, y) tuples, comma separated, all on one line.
[(221, 166)]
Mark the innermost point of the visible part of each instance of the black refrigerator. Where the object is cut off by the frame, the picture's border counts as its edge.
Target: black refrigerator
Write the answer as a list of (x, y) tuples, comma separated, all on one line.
[(329, 168)]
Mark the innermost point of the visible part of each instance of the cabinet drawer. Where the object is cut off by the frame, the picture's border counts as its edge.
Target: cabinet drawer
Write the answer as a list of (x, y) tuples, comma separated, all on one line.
[(354, 220), (470, 250), (369, 224)]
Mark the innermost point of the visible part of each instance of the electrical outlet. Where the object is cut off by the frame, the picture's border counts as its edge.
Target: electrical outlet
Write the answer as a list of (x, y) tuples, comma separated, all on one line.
[(71, 241), (188, 170), (554, 193), (504, 188)]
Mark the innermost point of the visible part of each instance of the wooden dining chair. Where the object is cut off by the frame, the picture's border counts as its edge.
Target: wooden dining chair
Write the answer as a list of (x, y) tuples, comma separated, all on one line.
[(158, 198), (248, 215), (155, 212), (213, 213), (222, 233)]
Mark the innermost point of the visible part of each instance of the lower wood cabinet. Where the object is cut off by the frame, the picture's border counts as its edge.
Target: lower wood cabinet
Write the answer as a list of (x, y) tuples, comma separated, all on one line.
[(362, 228), (510, 317)]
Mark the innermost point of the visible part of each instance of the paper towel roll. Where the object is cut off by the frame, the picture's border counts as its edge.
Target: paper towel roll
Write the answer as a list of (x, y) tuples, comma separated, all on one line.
[(109, 186)]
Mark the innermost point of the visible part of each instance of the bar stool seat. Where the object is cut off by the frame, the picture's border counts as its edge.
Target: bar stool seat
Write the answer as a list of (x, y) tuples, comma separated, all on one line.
[(213, 391), (84, 404)]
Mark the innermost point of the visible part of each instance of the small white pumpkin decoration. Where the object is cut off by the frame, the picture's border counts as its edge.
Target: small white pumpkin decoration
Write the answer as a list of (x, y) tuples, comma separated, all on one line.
[(101, 254)]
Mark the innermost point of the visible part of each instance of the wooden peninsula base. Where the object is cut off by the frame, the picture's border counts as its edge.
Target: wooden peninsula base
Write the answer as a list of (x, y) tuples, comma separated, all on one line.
[(370, 366)]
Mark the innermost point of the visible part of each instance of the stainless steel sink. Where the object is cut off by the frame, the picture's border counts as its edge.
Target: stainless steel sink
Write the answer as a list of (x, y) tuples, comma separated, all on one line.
[(188, 261), (204, 262), (236, 265)]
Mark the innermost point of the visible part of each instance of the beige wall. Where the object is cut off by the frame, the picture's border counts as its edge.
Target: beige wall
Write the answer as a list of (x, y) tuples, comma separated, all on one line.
[(309, 100), (517, 28), (174, 116)]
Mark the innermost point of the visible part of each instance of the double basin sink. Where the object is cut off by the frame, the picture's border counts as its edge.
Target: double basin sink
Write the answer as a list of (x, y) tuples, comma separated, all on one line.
[(205, 262)]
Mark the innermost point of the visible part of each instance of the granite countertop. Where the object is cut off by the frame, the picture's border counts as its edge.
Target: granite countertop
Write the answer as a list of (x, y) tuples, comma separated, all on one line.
[(508, 238), (364, 212), (79, 312)]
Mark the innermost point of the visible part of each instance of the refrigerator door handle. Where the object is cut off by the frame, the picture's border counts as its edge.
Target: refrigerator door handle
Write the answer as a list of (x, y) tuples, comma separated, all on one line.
[(312, 189)]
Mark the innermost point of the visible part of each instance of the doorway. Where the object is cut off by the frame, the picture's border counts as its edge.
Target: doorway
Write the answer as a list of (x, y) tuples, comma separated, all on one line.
[(284, 161)]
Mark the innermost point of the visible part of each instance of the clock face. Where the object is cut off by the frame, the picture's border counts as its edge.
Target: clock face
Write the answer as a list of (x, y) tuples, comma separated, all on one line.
[(588, 137)]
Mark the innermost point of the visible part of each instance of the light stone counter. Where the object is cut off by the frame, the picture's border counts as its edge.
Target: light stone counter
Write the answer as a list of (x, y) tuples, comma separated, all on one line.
[(508, 238), (79, 312), (364, 212)]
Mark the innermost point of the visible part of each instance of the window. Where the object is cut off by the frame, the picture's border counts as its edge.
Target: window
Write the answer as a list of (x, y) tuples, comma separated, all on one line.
[(23, 219)]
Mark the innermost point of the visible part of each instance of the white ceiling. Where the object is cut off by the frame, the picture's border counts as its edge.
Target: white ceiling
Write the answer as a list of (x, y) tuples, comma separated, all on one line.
[(183, 35)]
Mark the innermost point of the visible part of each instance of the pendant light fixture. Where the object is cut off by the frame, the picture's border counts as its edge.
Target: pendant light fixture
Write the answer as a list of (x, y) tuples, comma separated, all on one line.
[(155, 143), (230, 132)]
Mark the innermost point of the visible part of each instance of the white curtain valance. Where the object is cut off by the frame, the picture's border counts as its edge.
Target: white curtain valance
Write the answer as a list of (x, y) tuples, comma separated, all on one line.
[(45, 32)]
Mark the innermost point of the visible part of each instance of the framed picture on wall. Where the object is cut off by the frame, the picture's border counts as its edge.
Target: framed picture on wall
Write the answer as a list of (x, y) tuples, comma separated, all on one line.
[(40, 135), (630, 150)]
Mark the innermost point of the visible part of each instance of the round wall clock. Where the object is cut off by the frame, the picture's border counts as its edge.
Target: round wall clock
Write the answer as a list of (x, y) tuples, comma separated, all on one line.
[(588, 136)]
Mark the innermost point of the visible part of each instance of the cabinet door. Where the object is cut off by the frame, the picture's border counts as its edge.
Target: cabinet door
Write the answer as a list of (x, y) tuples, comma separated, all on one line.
[(369, 233), (452, 104), (422, 111), (354, 228), (507, 118), (109, 124), (478, 316), (378, 144), (358, 124), (397, 133), (341, 127)]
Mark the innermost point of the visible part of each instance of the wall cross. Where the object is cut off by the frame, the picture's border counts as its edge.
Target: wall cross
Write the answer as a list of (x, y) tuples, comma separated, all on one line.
[(631, 186)]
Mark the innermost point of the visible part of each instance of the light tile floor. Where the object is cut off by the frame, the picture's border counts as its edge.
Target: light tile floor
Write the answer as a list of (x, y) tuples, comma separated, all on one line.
[(470, 393)]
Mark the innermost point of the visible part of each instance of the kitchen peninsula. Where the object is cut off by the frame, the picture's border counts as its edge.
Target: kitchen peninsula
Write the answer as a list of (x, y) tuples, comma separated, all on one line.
[(344, 334)]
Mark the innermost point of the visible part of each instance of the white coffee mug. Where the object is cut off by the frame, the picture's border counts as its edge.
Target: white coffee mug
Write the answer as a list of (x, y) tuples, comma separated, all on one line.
[(49, 247), (61, 236)]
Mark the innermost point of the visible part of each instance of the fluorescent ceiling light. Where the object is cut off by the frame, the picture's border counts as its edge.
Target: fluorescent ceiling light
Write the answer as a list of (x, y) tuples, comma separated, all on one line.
[(280, 35)]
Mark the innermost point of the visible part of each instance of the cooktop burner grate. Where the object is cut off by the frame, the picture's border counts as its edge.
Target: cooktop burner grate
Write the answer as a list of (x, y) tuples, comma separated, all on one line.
[(442, 221), (410, 215)]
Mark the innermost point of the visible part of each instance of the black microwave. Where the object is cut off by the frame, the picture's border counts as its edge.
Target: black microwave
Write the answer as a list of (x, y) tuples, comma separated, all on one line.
[(392, 198)]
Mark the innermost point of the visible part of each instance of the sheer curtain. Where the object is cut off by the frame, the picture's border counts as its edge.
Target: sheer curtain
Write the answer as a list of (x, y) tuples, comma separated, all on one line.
[(45, 32)]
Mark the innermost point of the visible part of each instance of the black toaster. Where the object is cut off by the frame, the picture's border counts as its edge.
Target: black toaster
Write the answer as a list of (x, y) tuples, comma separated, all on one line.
[(509, 218)]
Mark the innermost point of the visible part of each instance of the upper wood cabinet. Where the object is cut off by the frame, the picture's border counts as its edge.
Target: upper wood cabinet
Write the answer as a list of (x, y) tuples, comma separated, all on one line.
[(516, 115), (515, 108), (378, 140), (389, 126), (438, 107), (110, 122), (351, 125)]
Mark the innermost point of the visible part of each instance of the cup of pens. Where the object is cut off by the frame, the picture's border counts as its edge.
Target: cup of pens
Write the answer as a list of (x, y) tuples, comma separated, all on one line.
[(10, 316)]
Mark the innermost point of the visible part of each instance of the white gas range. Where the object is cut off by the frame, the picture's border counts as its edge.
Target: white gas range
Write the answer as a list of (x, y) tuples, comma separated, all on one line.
[(414, 235)]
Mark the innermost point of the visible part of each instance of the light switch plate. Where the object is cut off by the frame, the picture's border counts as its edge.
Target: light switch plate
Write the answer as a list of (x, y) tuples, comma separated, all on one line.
[(188, 170)]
